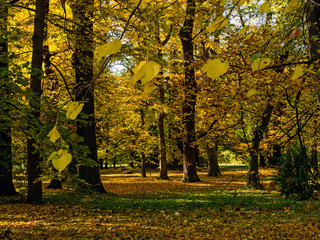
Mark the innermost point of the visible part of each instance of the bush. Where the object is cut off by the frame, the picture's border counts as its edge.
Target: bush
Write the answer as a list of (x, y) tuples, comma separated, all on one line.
[(298, 175)]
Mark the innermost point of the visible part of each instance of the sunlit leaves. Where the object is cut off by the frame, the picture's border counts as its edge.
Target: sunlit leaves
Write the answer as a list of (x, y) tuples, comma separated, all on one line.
[(264, 8), (220, 23), (292, 5), (73, 110), (260, 63), (298, 72), (60, 159), (54, 134), (109, 48), (214, 68)]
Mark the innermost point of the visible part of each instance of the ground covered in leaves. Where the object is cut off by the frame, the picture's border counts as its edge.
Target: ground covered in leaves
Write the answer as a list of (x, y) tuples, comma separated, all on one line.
[(137, 208)]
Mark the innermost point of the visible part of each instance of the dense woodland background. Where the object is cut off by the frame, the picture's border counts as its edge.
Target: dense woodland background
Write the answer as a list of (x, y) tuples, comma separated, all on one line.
[(173, 84)]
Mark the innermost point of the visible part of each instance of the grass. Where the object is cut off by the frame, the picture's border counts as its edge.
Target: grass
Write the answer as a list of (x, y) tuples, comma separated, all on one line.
[(149, 208)]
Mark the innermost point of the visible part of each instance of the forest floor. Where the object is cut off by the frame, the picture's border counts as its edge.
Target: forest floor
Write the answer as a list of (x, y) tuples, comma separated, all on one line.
[(149, 208)]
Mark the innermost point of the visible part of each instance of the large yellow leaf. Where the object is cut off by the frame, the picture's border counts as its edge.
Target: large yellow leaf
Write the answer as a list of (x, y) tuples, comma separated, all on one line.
[(260, 63), (298, 72), (62, 160), (264, 8), (73, 110), (145, 71), (218, 24), (214, 68), (109, 48), (293, 4), (54, 134)]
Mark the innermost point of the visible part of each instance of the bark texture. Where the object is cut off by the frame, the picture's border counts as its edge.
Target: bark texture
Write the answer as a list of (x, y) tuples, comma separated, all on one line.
[(253, 174), (190, 85), (33, 166), (83, 64)]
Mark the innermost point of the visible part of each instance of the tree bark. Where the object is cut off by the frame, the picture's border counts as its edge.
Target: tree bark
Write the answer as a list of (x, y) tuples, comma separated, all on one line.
[(253, 174), (188, 108), (34, 159), (83, 64), (6, 183), (213, 166)]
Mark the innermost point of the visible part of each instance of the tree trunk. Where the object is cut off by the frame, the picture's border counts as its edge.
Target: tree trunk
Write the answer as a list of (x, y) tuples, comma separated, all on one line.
[(188, 108), (33, 166), (83, 64), (253, 174), (213, 166), (143, 156), (6, 183)]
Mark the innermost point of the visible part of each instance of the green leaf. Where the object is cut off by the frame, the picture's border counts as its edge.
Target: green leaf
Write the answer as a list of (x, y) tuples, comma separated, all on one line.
[(298, 72), (260, 63), (264, 8), (145, 72), (52, 156), (109, 48), (54, 134), (255, 57), (62, 160), (73, 110), (214, 68), (220, 23)]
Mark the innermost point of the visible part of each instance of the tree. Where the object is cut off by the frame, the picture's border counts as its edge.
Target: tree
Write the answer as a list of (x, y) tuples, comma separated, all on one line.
[(188, 109), (83, 65), (34, 159), (6, 183)]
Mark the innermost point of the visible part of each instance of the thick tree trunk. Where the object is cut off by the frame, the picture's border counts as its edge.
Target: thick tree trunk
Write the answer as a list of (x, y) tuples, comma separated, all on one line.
[(33, 166), (213, 166), (188, 108), (6, 183), (253, 174), (83, 64)]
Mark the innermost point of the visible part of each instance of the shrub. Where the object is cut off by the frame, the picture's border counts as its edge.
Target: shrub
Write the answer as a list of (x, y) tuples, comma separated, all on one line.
[(298, 175)]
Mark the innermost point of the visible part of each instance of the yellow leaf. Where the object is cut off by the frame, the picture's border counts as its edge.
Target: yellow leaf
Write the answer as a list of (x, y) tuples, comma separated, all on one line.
[(54, 134), (264, 8), (292, 5), (249, 35), (73, 110), (252, 92), (62, 160), (243, 30), (218, 24), (148, 87), (109, 48), (214, 68), (145, 72), (298, 72), (260, 63), (239, 2)]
